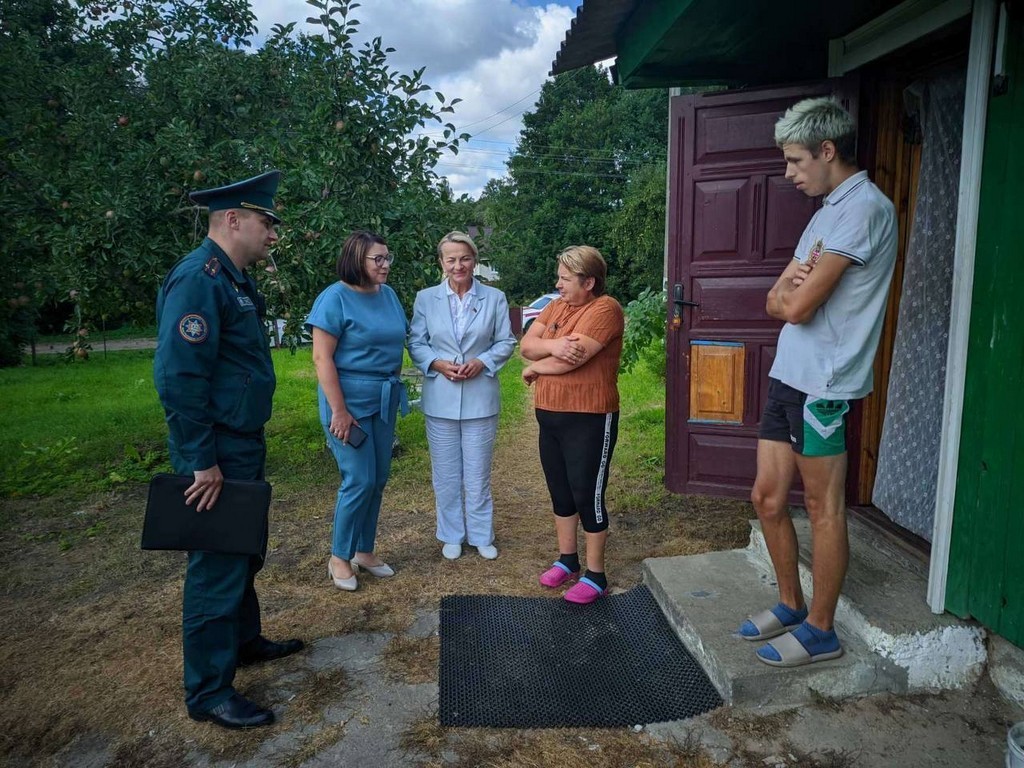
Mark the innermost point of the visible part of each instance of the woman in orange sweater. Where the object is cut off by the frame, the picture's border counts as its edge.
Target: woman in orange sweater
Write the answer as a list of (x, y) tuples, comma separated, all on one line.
[(574, 347)]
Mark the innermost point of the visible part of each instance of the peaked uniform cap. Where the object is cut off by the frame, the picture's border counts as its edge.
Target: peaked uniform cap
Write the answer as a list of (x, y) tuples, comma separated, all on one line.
[(255, 194)]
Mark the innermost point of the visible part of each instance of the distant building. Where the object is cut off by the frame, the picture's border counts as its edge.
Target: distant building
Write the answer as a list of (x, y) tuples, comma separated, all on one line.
[(483, 270)]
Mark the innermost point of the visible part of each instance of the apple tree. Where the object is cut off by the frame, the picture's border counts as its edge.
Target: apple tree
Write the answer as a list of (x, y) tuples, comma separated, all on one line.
[(114, 111)]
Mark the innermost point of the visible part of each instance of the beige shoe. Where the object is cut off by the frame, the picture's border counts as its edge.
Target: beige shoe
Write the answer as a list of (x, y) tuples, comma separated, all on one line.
[(349, 585), (382, 571)]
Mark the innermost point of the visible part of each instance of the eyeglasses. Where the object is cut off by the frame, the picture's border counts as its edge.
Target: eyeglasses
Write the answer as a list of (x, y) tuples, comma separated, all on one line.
[(381, 259)]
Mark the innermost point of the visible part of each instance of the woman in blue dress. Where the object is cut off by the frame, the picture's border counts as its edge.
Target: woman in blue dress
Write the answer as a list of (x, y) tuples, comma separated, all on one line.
[(359, 329)]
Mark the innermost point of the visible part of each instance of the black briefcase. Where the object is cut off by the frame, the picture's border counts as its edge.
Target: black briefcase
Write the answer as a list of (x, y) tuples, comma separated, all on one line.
[(236, 524)]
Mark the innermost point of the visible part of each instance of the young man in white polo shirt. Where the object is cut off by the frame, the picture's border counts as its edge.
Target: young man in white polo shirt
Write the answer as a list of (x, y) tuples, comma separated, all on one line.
[(832, 297)]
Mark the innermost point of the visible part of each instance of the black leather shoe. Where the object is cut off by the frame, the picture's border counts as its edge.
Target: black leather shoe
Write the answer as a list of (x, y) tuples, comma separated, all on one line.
[(236, 712), (261, 649)]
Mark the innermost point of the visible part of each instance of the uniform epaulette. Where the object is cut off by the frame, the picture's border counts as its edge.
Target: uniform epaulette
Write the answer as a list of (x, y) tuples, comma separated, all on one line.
[(212, 267)]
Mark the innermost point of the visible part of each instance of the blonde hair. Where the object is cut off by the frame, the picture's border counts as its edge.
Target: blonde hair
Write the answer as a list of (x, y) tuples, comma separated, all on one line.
[(458, 237), (585, 261), (810, 122)]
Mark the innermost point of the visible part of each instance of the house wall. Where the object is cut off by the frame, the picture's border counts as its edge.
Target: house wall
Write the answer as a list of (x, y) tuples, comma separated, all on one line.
[(986, 563)]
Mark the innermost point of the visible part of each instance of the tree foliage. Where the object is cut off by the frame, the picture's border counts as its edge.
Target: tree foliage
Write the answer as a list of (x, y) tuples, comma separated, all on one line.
[(589, 168), (113, 111)]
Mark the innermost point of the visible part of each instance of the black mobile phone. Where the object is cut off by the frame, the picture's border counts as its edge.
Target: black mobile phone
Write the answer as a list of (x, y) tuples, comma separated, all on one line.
[(356, 436)]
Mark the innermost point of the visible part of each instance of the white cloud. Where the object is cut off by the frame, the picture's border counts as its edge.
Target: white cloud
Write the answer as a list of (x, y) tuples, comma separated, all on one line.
[(493, 54)]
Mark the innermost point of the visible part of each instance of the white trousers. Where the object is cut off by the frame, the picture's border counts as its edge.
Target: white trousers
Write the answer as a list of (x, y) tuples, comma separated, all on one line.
[(460, 461)]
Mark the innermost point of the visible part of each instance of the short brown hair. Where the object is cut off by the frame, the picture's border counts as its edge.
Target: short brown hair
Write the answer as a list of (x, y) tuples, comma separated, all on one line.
[(585, 261), (351, 264)]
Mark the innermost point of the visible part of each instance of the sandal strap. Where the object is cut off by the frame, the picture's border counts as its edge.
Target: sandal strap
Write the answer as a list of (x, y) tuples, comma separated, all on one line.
[(790, 650)]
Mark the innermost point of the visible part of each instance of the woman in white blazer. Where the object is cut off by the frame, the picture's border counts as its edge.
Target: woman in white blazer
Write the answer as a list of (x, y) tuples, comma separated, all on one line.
[(460, 337)]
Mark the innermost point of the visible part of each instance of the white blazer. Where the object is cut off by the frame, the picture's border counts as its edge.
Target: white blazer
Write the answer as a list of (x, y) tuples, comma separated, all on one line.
[(488, 336)]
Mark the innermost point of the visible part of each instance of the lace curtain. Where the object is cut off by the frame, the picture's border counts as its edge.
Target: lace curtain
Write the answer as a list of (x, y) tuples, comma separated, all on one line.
[(908, 456)]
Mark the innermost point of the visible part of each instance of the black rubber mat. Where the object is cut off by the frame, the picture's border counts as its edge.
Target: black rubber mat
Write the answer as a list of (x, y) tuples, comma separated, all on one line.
[(537, 662)]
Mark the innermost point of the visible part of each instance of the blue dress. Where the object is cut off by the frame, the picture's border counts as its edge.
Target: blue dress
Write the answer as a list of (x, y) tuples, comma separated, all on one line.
[(371, 330)]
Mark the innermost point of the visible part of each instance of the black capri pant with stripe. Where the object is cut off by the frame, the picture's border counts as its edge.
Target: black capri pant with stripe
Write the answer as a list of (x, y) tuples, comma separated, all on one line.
[(575, 452)]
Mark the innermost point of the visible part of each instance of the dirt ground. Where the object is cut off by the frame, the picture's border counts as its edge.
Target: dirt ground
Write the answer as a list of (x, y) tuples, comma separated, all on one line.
[(91, 650)]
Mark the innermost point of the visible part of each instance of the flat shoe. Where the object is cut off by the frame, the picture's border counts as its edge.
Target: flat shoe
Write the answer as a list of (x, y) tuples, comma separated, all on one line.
[(557, 575), (237, 712), (260, 649), (451, 551), (767, 624), (584, 592), (488, 552), (349, 585), (382, 571)]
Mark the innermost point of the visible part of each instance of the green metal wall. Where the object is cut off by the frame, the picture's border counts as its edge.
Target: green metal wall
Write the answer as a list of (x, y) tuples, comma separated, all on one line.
[(986, 569)]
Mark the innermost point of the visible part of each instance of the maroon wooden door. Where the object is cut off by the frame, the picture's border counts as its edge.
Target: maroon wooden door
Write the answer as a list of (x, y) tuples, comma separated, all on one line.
[(734, 222)]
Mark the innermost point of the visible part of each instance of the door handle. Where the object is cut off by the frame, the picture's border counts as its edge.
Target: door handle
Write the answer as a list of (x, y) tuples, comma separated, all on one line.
[(678, 302)]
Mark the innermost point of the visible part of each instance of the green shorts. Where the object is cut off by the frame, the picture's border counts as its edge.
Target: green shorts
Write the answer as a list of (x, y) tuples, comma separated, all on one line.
[(811, 425)]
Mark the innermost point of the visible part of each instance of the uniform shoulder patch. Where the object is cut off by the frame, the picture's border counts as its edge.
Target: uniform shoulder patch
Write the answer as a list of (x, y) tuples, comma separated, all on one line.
[(212, 267), (193, 328)]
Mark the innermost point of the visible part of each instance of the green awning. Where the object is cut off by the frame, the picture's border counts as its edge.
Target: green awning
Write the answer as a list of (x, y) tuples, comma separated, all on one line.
[(661, 43)]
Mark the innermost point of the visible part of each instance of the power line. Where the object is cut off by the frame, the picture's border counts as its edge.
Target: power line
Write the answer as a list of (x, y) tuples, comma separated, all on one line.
[(564, 156), (484, 119), (655, 155), (589, 174)]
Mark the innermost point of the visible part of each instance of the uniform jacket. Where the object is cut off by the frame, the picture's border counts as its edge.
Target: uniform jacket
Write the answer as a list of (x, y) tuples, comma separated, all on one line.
[(212, 368), (488, 336)]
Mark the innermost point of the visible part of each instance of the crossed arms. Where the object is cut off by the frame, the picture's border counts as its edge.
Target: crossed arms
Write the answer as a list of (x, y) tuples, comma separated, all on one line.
[(802, 288)]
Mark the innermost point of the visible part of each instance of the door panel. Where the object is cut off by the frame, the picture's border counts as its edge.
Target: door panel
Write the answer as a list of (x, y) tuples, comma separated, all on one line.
[(728, 301), (721, 227), (717, 382), (787, 208), (718, 457), (734, 222)]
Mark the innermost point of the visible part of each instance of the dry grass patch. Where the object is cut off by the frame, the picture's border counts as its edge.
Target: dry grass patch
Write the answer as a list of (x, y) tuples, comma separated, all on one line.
[(425, 736), (570, 748), (412, 660), (315, 743), (740, 725), (92, 637)]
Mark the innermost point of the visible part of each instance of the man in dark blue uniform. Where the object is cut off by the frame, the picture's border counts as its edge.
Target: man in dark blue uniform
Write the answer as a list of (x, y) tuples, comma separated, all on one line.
[(216, 381)]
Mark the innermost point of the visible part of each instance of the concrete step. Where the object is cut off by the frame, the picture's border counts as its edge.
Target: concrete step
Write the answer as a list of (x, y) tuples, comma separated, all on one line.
[(884, 605), (705, 598)]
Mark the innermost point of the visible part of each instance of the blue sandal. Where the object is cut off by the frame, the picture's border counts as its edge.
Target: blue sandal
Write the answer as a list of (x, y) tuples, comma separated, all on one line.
[(772, 622), (805, 645)]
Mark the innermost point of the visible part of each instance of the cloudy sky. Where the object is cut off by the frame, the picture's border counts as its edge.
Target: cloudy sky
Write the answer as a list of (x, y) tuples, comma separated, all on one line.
[(493, 54)]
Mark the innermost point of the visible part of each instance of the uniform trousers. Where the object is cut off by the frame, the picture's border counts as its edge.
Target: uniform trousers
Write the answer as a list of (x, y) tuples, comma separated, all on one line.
[(364, 473), (460, 461), (220, 610)]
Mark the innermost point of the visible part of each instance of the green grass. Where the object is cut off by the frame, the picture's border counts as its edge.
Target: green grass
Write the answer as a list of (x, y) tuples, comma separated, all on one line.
[(640, 451), (96, 336), (68, 427), (76, 428)]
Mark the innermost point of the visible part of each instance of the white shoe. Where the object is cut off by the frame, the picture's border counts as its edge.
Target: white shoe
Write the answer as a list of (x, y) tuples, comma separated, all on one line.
[(349, 585), (488, 551), (451, 551), (382, 571)]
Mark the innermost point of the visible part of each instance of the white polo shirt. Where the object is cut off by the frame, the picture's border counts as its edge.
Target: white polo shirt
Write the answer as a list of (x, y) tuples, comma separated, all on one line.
[(831, 356)]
